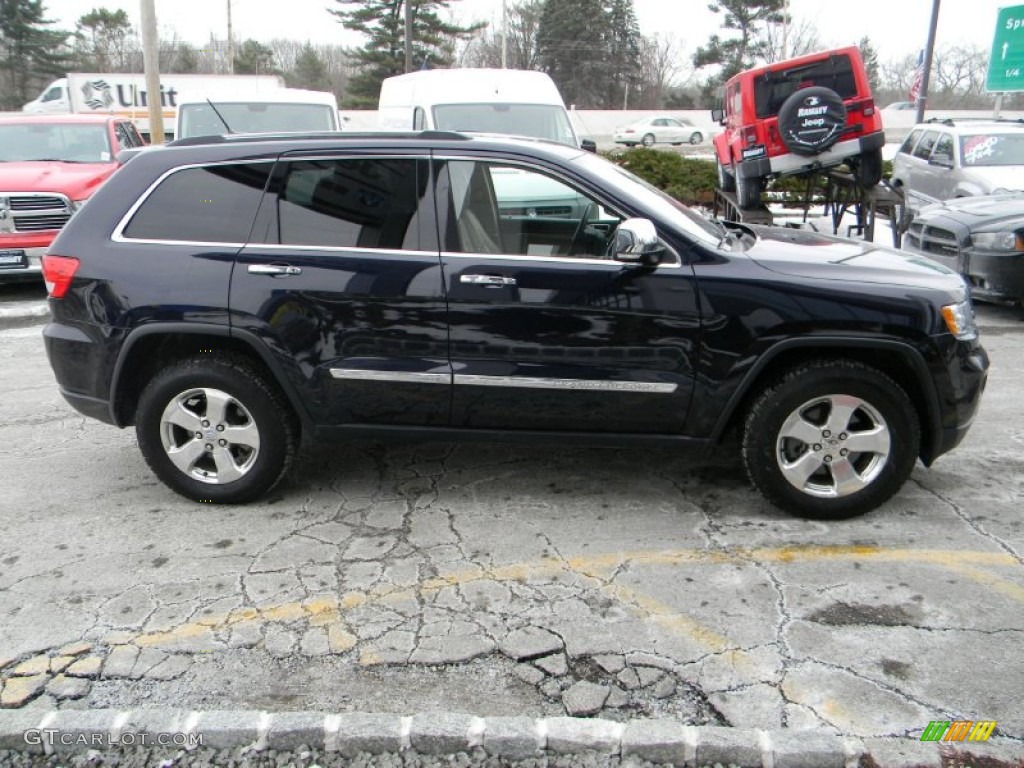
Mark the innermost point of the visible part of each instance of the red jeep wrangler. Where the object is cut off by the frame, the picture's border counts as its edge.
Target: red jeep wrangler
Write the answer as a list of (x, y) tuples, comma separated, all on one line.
[(798, 115)]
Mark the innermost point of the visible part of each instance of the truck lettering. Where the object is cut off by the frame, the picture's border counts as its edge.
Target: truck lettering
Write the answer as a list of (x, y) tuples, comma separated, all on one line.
[(132, 96), (811, 111)]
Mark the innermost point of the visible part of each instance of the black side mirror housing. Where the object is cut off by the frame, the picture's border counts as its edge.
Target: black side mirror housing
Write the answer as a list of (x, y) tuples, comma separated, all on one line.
[(718, 115), (589, 145)]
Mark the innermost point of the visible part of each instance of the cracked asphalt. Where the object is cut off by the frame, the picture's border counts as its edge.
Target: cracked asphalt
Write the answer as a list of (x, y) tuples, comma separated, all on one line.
[(510, 580)]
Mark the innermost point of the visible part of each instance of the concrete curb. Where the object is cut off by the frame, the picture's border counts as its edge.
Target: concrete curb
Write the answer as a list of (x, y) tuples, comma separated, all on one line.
[(24, 314), (512, 738)]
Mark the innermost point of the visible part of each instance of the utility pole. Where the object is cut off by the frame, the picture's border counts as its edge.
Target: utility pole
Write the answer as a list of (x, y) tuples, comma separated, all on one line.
[(408, 35), (922, 96), (231, 44), (785, 29), (504, 34), (151, 66)]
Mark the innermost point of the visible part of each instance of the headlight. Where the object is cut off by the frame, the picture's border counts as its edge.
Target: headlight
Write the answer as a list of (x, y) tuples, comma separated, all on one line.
[(998, 241), (960, 320)]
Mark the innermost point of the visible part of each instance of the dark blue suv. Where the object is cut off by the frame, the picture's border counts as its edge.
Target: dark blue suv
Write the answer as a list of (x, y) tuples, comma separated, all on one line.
[(232, 297)]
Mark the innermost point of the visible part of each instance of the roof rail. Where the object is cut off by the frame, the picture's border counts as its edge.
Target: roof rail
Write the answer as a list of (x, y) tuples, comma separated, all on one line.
[(317, 135), (957, 120)]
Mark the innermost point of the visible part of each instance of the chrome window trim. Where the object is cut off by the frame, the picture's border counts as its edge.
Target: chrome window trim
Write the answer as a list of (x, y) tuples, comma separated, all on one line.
[(118, 235), (565, 180), (590, 385), (549, 259), (336, 249)]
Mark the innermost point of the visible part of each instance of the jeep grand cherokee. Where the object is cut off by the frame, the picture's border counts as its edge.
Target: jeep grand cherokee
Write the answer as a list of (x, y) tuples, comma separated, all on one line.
[(232, 297)]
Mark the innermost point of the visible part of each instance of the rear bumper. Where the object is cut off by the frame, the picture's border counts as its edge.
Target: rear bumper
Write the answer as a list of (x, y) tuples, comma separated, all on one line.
[(791, 163), (34, 270), (81, 359)]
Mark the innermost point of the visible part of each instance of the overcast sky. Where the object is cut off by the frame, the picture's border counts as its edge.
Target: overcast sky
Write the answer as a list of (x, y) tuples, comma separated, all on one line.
[(897, 27)]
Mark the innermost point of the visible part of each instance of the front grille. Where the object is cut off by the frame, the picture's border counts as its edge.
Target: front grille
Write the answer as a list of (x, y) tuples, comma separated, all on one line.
[(934, 240), (31, 212), (40, 223), (37, 203)]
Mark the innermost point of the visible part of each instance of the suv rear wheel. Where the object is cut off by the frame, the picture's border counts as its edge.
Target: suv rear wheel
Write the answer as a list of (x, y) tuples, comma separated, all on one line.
[(831, 439), (748, 189), (213, 430), (868, 169)]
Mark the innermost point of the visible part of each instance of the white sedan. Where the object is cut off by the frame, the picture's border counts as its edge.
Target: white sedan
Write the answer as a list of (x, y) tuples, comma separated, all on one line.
[(658, 130)]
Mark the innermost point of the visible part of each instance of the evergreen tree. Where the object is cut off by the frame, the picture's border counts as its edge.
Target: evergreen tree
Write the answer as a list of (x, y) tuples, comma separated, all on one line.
[(573, 42), (870, 56), (101, 40), (310, 71), (30, 53), (748, 19), (254, 58), (383, 22), (624, 52), (185, 61)]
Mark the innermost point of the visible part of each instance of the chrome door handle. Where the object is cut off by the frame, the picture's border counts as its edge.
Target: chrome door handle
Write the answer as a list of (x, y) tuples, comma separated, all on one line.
[(495, 280), (273, 269)]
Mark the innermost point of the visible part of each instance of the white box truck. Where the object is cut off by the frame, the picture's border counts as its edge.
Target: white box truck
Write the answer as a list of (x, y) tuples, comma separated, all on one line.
[(285, 110), (513, 102), (125, 94)]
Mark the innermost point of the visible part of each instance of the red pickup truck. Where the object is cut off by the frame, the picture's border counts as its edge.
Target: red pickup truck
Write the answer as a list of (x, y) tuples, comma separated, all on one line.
[(49, 166)]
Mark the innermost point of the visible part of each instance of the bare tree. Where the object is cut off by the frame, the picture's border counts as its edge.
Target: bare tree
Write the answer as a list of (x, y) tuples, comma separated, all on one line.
[(801, 38), (484, 50), (662, 66)]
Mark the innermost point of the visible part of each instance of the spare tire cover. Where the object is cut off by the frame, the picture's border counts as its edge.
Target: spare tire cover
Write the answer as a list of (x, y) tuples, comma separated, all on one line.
[(811, 120)]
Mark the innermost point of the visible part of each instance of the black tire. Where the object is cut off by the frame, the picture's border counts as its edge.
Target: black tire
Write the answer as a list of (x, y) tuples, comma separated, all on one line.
[(237, 398), (801, 401), (696, 138), (648, 140), (811, 120), (748, 189), (726, 181), (868, 169)]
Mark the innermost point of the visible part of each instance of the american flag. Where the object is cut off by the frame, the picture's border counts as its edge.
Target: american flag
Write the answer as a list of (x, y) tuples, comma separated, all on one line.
[(915, 86)]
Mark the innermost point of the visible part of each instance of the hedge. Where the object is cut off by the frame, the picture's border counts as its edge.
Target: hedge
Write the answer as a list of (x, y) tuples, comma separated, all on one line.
[(692, 180)]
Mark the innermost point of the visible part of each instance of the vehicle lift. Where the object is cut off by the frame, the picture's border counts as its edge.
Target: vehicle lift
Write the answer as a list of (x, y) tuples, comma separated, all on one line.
[(840, 194)]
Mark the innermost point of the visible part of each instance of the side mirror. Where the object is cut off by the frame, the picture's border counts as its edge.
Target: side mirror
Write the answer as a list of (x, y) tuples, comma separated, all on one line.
[(636, 242), (589, 145), (718, 115)]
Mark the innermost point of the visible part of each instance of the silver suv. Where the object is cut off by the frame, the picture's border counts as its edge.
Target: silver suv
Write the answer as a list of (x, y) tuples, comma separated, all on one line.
[(942, 160)]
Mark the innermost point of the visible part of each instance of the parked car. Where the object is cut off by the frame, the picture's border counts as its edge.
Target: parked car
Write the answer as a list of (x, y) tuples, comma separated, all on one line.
[(49, 166), (980, 237), (658, 130), (233, 297), (944, 159), (901, 106), (806, 114)]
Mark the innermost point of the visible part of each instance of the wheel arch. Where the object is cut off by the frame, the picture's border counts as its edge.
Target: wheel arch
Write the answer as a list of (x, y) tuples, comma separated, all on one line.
[(899, 360), (149, 348)]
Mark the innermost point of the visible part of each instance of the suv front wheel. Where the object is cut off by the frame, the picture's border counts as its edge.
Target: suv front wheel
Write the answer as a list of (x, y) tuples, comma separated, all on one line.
[(831, 439), (213, 430)]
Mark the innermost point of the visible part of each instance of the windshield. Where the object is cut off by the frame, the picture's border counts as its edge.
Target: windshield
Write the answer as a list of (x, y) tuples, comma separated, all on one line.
[(993, 149), (68, 142), (255, 117), (539, 121), (662, 205)]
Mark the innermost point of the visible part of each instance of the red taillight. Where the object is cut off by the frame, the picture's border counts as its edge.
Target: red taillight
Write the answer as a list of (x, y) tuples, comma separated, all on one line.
[(58, 272), (868, 106), (750, 136)]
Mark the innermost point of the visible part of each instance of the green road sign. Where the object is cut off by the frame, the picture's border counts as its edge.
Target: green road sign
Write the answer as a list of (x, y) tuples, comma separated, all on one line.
[(1006, 61)]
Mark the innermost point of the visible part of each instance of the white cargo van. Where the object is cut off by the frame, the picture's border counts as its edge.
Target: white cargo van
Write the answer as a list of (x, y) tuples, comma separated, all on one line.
[(507, 101), (286, 110)]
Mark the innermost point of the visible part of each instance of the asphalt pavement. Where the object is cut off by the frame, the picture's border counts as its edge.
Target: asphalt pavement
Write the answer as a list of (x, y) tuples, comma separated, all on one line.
[(476, 586)]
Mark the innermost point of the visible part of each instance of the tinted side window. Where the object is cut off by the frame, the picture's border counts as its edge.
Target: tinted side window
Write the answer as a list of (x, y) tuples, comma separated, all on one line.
[(910, 141), (419, 119), (357, 202), (944, 148), (774, 87), (925, 146), (213, 204)]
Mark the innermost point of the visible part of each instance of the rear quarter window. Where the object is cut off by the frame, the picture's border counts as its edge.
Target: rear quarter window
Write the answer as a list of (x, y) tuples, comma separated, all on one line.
[(210, 204)]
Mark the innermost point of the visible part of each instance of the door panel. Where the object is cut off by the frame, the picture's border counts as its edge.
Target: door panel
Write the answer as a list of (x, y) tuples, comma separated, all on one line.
[(346, 290), (566, 340)]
